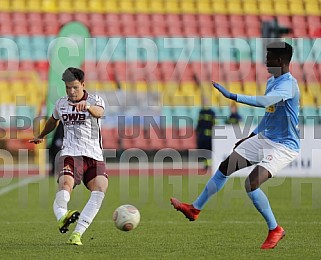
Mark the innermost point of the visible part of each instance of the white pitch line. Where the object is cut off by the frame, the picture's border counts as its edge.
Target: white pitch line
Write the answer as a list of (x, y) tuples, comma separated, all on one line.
[(19, 184)]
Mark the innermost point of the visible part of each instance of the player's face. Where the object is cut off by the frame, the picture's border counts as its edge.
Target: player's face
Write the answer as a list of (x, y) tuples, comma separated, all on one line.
[(273, 64), (75, 90)]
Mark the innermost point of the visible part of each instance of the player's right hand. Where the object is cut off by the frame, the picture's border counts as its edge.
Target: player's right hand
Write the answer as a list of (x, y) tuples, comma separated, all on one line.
[(36, 140), (224, 91)]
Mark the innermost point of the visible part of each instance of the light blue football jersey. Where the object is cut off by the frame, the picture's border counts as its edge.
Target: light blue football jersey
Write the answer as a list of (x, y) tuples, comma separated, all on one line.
[(281, 120)]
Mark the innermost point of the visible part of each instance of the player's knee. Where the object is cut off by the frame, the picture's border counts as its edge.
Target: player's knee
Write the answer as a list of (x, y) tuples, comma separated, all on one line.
[(228, 166), (223, 167), (251, 185)]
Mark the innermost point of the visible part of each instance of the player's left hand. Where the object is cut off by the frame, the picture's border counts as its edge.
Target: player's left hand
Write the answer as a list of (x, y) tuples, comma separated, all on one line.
[(224, 91), (80, 106)]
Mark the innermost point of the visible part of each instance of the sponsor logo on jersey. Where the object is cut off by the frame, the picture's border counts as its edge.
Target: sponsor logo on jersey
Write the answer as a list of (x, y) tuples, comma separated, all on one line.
[(270, 109), (74, 119)]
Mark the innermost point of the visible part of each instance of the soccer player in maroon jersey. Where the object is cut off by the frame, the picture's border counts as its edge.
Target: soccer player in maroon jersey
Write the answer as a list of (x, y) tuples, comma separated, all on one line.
[(81, 157)]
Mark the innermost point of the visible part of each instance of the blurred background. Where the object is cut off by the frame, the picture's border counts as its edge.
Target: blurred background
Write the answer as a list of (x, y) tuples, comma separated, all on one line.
[(152, 61)]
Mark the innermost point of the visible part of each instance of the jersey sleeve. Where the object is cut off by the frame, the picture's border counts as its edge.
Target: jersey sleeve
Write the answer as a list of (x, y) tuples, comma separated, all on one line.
[(99, 102), (95, 100), (284, 90), (55, 113)]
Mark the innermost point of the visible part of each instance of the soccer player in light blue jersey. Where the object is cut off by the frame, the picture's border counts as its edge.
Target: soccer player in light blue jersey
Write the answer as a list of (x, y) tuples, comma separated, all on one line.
[(271, 146)]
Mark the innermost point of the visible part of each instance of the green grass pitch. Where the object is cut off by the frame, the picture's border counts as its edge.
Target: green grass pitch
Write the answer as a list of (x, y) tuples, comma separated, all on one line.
[(228, 228)]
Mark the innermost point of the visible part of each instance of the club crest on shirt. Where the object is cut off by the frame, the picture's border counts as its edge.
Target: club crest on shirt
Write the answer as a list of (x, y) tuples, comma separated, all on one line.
[(270, 109)]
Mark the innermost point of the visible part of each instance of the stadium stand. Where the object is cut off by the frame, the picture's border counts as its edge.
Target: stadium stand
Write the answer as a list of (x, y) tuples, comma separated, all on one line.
[(195, 41)]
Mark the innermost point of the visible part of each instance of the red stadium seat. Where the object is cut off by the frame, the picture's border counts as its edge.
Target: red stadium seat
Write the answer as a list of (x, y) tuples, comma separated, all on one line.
[(18, 17), (120, 71), (19, 29), (187, 138), (64, 18), (261, 72), (265, 17), (159, 30), (5, 18), (173, 20), (98, 30), (299, 32), (127, 19), (129, 30), (83, 18), (314, 26), (299, 21), (236, 20), (310, 70), (238, 31), (247, 71), (157, 138), (142, 141), (36, 28), (206, 31), (204, 19), (222, 31), (95, 18), (113, 30), (190, 31), (253, 31), (49, 18), (221, 20), (189, 20), (112, 19), (42, 68), (229, 71), (52, 29), (110, 138), (34, 18), (297, 71), (172, 138), (284, 20), (214, 71), (175, 30), (167, 69), (202, 70), (252, 20), (157, 18), (3, 65), (26, 65), (184, 73), (143, 19), (6, 28)]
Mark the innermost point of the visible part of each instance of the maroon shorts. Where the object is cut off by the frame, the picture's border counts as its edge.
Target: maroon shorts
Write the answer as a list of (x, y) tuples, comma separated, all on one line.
[(81, 168)]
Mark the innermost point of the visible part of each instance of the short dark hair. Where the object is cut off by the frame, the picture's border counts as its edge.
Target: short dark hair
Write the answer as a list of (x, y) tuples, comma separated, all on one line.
[(281, 49), (72, 74)]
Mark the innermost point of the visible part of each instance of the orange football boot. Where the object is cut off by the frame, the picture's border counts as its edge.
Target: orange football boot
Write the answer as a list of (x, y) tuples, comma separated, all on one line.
[(187, 209), (273, 238)]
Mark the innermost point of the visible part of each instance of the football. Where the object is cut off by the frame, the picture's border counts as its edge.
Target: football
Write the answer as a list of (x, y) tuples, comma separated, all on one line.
[(126, 217)]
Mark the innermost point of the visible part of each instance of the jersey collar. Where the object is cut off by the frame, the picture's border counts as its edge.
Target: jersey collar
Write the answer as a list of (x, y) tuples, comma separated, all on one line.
[(84, 97)]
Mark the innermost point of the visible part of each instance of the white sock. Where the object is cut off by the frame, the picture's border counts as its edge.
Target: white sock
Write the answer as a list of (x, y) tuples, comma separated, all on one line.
[(90, 211), (60, 203)]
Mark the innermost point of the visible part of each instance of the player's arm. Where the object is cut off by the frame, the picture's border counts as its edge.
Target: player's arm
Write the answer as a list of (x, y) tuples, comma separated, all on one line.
[(50, 125), (257, 101), (95, 110)]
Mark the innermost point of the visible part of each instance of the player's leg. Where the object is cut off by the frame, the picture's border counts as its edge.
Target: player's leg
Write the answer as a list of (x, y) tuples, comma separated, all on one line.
[(231, 164), (96, 181), (252, 185), (65, 185)]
